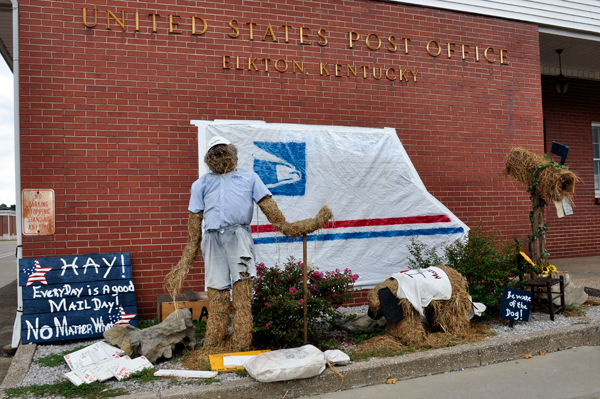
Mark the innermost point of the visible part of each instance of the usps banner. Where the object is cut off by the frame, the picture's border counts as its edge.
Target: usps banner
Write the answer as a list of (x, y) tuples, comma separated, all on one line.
[(76, 297), (366, 178)]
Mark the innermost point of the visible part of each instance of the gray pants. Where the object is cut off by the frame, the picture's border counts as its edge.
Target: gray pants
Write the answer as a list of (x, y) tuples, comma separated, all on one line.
[(227, 254)]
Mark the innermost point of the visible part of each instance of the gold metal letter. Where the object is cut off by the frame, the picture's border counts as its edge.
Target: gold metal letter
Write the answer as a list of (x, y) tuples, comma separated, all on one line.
[(109, 14), (337, 70), (137, 21), (391, 41), (387, 73), (302, 35), (277, 65), (226, 61), (364, 68), (502, 60), (323, 68), (352, 40), (85, 18), (450, 50), (403, 76), (252, 64), (485, 55), (250, 24), (464, 51), (237, 63), (321, 33), (194, 25), (350, 70), (406, 39), (476, 53), (154, 21), (236, 30), (269, 32), (287, 38), (414, 73), (266, 64), (300, 67), (378, 41), (438, 47), (172, 24), (380, 73)]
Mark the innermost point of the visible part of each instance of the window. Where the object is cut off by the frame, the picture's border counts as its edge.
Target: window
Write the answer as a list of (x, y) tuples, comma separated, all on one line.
[(596, 144)]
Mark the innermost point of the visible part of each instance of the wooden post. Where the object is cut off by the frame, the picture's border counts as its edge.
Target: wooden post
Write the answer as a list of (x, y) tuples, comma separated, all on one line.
[(305, 275), (538, 245)]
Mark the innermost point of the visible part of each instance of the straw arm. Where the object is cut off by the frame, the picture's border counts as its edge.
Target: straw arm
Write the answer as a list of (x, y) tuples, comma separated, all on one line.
[(299, 228), (174, 280)]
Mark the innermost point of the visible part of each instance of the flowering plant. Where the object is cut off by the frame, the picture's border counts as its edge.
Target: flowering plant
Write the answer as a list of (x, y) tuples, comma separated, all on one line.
[(278, 303)]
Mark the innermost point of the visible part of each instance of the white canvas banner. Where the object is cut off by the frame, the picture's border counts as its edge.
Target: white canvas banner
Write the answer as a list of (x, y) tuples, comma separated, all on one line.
[(364, 175)]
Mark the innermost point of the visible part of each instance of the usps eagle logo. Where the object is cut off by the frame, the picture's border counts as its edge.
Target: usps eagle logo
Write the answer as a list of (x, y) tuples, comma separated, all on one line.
[(281, 166), (122, 318), (37, 273)]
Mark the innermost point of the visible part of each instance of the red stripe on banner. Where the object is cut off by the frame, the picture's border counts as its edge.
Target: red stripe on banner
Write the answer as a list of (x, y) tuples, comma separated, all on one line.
[(267, 228)]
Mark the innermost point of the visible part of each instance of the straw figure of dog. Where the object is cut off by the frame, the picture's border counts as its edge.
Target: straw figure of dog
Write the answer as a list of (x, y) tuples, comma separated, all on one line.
[(545, 180), (224, 199), (451, 316)]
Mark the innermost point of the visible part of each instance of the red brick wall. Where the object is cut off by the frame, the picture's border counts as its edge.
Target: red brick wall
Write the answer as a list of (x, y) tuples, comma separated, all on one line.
[(568, 120), (105, 113)]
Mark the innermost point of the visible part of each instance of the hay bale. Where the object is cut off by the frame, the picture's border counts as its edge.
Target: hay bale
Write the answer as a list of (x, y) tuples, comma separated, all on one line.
[(218, 319), (409, 330), (452, 316), (243, 323), (555, 183)]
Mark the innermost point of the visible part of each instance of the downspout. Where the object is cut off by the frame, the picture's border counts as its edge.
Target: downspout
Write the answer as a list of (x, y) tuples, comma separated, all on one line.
[(17, 124)]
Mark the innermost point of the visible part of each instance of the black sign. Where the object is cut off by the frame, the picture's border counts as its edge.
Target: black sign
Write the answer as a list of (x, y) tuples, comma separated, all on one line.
[(516, 304), (75, 297)]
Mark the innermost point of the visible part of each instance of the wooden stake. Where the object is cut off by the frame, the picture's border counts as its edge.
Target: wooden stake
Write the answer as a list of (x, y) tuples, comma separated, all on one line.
[(538, 246), (305, 275)]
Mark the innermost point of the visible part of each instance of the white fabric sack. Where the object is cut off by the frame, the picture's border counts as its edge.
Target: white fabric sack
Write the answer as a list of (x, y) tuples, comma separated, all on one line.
[(337, 357), (287, 364), (421, 286)]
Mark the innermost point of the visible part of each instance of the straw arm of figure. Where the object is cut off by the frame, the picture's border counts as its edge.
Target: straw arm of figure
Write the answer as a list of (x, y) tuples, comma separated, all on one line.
[(299, 228), (174, 280)]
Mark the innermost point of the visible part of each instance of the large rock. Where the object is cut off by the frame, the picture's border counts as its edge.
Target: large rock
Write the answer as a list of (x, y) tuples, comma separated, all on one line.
[(574, 295), (156, 341), (361, 324)]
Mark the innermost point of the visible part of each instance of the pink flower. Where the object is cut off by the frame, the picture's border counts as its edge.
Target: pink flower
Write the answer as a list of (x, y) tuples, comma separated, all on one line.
[(293, 290), (313, 287), (266, 303), (268, 325), (301, 300)]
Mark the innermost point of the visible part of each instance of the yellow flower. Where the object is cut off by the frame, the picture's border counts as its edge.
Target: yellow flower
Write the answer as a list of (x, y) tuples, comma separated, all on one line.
[(552, 268), (545, 269)]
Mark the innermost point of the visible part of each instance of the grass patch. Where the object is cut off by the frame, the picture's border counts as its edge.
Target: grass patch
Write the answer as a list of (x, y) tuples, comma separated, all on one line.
[(147, 323), (67, 390), (57, 359), (145, 375), (573, 311)]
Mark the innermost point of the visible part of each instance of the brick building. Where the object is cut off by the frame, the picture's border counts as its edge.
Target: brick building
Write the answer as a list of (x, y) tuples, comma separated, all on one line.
[(107, 91)]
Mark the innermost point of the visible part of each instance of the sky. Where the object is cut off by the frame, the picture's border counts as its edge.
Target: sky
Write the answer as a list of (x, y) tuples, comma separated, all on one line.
[(7, 139)]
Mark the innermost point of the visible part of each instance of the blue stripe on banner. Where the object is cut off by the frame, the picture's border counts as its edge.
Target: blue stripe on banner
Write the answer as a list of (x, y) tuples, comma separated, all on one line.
[(365, 234)]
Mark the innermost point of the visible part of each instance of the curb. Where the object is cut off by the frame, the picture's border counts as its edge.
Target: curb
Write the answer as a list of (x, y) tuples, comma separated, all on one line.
[(362, 374), (377, 371)]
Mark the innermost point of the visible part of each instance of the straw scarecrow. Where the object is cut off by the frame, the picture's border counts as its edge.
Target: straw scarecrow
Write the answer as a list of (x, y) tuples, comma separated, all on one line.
[(545, 180), (225, 199), (451, 316)]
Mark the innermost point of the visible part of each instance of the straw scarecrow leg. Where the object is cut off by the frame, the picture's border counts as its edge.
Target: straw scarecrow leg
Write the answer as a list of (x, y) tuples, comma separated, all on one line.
[(243, 322)]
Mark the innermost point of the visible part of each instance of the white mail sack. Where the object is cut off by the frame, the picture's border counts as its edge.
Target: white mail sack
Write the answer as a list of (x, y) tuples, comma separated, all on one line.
[(287, 364)]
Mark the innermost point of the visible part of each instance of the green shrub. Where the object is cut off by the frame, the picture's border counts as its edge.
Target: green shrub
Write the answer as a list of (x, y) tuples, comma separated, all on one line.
[(278, 303), (487, 263)]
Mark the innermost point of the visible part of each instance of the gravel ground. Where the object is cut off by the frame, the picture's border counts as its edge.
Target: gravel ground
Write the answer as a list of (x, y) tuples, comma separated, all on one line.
[(39, 375)]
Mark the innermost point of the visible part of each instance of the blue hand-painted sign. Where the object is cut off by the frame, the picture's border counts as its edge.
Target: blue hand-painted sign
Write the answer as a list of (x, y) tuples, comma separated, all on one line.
[(281, 166), (75, 297), (516, 304)]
